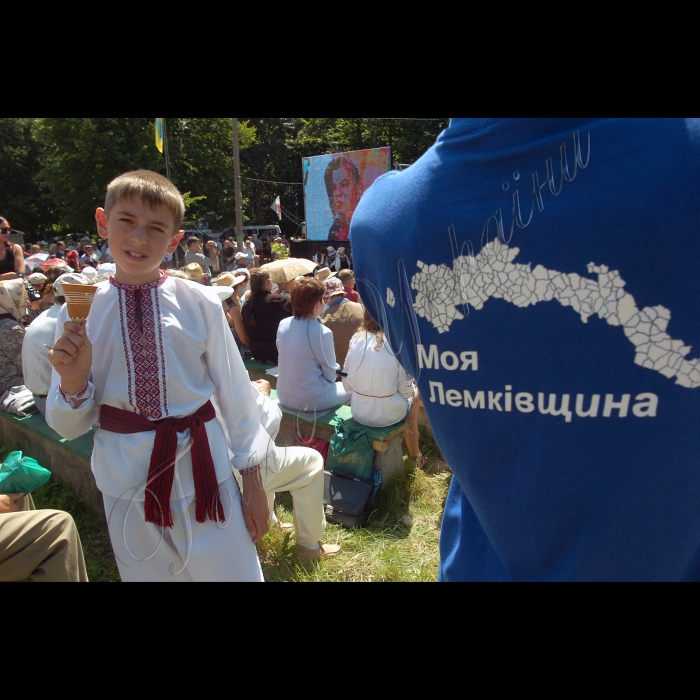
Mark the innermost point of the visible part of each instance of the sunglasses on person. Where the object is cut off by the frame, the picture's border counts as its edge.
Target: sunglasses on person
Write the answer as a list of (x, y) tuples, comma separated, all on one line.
[(4, 230)]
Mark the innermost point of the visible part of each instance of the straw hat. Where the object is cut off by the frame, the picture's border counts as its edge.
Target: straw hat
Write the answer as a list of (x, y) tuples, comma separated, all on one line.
[(325, 273), (194, 271), (227, 279)]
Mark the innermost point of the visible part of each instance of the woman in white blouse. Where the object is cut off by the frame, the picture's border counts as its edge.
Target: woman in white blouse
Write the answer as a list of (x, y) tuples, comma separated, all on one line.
[(383, 393)]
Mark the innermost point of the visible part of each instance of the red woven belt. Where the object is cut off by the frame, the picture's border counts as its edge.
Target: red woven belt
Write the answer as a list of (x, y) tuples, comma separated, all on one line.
[(161, 472)]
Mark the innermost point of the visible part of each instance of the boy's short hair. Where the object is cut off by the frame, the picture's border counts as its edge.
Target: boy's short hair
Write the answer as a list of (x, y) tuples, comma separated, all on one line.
[(192, 240), (149, 187)]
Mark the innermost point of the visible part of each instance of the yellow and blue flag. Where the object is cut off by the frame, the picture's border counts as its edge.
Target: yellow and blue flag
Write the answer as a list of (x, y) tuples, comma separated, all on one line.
[(159, 134)]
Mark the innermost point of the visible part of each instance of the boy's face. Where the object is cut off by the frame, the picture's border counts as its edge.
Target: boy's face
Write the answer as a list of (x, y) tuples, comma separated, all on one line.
[(139, 238)]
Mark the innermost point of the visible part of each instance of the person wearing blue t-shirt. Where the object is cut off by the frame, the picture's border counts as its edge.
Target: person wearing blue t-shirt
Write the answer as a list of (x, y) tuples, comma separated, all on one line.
[(540, 280)]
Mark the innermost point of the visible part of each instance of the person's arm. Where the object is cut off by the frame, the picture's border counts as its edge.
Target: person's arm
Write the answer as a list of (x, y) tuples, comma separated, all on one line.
[(357, 346), (71, 359), (324, 348), (19, 260), (238, 324)]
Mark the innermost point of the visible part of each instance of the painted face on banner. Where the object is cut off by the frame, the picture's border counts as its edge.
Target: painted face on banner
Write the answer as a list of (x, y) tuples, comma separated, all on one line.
[(346, 194)]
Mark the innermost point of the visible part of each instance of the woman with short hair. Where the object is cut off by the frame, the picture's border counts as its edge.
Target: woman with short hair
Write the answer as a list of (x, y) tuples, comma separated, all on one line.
[(11, 256), (308, 371), (262, 314)]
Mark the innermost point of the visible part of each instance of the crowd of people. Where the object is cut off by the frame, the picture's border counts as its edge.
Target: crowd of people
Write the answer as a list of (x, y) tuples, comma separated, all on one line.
[(165, 345)]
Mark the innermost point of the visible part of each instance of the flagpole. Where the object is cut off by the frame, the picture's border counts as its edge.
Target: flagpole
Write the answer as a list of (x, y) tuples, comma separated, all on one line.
[(165, 148), (237, 178)]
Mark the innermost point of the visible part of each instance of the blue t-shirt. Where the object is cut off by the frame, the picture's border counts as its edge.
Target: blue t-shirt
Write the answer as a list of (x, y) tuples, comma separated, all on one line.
[(540, 279)]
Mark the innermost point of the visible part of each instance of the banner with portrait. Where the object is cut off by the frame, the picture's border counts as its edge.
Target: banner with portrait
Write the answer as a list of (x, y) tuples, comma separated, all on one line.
[(333, 187)]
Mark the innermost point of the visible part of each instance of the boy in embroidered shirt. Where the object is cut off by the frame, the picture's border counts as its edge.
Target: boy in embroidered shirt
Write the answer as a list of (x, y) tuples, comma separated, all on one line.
[(157, 366)]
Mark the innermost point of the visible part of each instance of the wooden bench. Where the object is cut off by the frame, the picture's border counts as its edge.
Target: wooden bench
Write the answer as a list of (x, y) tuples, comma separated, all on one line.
[(68, 460), (258, 370), (387, 442)]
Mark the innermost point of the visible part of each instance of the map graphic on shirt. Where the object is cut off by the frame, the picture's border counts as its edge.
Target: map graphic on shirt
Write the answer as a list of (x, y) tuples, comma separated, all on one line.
[(493, 275)]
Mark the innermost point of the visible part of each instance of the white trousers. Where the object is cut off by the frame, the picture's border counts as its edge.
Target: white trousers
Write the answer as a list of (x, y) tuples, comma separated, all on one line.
[(190, 551), (298, 470)]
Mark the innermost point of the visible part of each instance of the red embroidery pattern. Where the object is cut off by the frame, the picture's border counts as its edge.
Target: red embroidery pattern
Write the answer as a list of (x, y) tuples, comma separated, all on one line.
[(139, 312), (78, 396)]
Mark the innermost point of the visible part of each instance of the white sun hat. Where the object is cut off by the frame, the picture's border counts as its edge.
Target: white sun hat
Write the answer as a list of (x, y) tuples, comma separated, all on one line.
[(223, 293)]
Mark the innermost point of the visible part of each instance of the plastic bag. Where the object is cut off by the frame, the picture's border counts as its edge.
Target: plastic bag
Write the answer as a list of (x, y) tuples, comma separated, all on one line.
[(351, 452), (22, 474)]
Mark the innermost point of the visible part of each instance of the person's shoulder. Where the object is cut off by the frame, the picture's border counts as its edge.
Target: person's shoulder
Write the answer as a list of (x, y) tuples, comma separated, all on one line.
[(286, 324), (190, 288), (354, 308)]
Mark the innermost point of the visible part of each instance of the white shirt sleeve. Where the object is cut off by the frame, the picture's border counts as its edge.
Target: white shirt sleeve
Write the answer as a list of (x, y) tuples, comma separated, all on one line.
[(236, 397), (70, 423), (270, 415)]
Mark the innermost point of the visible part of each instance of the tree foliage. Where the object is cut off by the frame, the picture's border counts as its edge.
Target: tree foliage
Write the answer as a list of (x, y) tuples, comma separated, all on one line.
[(23, 200), (54, 171)]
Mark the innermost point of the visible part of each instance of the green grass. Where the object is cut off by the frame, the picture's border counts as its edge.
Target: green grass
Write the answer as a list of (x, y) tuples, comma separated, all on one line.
[(400, 542), (393, 547)]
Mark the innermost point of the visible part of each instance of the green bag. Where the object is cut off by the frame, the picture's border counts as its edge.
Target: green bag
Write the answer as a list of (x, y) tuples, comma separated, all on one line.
[(22, 474), (351, 452)]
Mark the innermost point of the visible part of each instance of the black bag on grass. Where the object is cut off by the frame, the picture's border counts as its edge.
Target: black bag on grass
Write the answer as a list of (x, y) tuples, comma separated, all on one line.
[(347, 500)]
